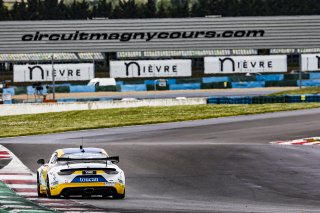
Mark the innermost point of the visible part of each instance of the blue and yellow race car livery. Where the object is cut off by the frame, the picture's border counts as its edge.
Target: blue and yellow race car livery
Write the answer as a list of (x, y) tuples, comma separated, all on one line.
[(84, 171)]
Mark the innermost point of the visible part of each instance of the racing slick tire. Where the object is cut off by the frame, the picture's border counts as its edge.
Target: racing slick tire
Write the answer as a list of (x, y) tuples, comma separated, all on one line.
[(48, 190), (119, 196), (38, 188)]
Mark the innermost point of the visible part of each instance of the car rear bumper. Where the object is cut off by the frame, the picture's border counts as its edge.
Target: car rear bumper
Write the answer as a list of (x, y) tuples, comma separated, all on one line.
[(105, 191), (99, 188)]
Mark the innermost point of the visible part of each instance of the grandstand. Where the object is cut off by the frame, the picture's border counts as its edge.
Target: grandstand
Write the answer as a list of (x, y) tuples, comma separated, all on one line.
[(103, 41)]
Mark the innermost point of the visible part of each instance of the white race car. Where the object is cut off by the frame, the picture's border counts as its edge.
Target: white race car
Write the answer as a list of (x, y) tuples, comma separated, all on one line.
[(84, 171)]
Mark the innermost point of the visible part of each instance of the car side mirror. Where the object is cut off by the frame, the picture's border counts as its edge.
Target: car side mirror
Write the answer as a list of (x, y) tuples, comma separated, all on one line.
[(41, 161), (114, 159)]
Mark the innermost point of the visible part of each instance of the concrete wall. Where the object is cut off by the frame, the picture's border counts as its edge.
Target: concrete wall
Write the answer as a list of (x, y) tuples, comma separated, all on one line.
[(18, 109)]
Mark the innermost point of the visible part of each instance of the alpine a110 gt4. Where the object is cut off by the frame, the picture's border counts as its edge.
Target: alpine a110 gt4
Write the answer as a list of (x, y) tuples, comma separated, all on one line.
[(80, 171)]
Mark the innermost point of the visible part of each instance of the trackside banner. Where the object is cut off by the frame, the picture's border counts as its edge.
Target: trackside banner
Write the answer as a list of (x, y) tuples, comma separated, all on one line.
[(310, 62), (150, 68), (43, 72), (245, 64)]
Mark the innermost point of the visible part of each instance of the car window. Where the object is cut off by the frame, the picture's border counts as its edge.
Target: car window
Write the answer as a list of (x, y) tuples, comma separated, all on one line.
[(53, 158), (85, 155)]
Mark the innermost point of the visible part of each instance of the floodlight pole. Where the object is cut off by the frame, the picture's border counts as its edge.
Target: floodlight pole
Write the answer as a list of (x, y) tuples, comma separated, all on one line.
[(94, 67), (300, 72), (155, 88), (53, 79)]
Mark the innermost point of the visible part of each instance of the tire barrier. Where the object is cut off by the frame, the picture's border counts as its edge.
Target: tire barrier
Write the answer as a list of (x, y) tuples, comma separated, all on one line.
[(216, 85), (250, 84), (295, 77), (171, 81), (188, 80), (76, 89), (10, 91), (268, 99), (134, 82), (271, 77), (106, 88), (133, 87), (309, 83), (150, 87), (168, 81), (70, 100), (149, 82), (30, 90), (119, 83), (214, 82), (215, 79), (20, 90), (60, 89), (264, 99), (229, 100), (314, 75), (281, 83), (240, 78), (185, 86)]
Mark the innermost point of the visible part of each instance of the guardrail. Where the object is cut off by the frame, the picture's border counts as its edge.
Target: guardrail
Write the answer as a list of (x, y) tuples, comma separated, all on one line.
[(264, 99), (92, 104)]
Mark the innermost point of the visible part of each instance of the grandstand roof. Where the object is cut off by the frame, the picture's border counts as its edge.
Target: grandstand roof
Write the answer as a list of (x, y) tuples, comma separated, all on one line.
[(116, 35), (42, 57)]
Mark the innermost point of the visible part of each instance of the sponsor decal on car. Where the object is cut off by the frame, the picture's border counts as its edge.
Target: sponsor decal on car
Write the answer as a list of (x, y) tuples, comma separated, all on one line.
[(109, 183), (54, 187), (89, 172), (53, 183), (88, 179)]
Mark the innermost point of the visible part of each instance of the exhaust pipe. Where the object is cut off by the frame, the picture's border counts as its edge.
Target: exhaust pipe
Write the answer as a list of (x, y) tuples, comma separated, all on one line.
[(88, 190)]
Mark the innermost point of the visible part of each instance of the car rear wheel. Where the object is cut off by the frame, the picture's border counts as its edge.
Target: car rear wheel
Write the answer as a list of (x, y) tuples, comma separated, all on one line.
[(119, 196), (48, 190)]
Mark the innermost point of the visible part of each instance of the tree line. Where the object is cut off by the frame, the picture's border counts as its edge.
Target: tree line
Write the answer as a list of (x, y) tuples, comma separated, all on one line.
[(83, 9)]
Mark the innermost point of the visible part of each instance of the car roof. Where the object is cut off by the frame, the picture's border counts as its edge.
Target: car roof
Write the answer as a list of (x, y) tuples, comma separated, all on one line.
[(65, 151)]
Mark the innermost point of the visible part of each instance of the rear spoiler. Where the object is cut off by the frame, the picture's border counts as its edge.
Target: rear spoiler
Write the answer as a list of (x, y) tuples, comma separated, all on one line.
[(114, 159)]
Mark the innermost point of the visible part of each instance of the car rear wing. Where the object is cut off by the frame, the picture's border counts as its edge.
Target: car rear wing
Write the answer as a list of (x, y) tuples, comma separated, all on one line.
[(114, 159)]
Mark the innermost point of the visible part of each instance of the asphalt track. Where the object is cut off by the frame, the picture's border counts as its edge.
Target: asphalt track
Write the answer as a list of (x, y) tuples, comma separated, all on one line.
[(216, 165), (198, 93)]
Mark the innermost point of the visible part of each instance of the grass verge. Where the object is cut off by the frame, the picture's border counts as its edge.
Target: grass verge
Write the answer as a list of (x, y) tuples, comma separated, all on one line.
[(307, 90), (19, 125)]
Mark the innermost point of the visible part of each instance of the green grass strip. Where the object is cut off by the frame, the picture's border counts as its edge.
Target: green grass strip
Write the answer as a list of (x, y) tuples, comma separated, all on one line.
[(307, 90), (8, 199), (91, 119)]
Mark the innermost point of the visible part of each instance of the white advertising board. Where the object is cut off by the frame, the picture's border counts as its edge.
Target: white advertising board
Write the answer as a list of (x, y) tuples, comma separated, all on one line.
[(150, 68), (310, 62), (245, 64), (43, 72)]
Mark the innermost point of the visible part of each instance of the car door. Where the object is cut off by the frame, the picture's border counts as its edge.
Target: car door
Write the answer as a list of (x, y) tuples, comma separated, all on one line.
[(46, 167)]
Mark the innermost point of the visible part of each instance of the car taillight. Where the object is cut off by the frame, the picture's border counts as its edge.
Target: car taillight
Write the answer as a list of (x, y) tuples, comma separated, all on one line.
[(111, 172), (62, 172)]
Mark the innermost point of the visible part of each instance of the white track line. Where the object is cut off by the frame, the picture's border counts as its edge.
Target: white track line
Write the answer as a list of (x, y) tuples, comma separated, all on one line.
[(9, 202), (16, 177), (21, 186), (26, 194), (17, 207)]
